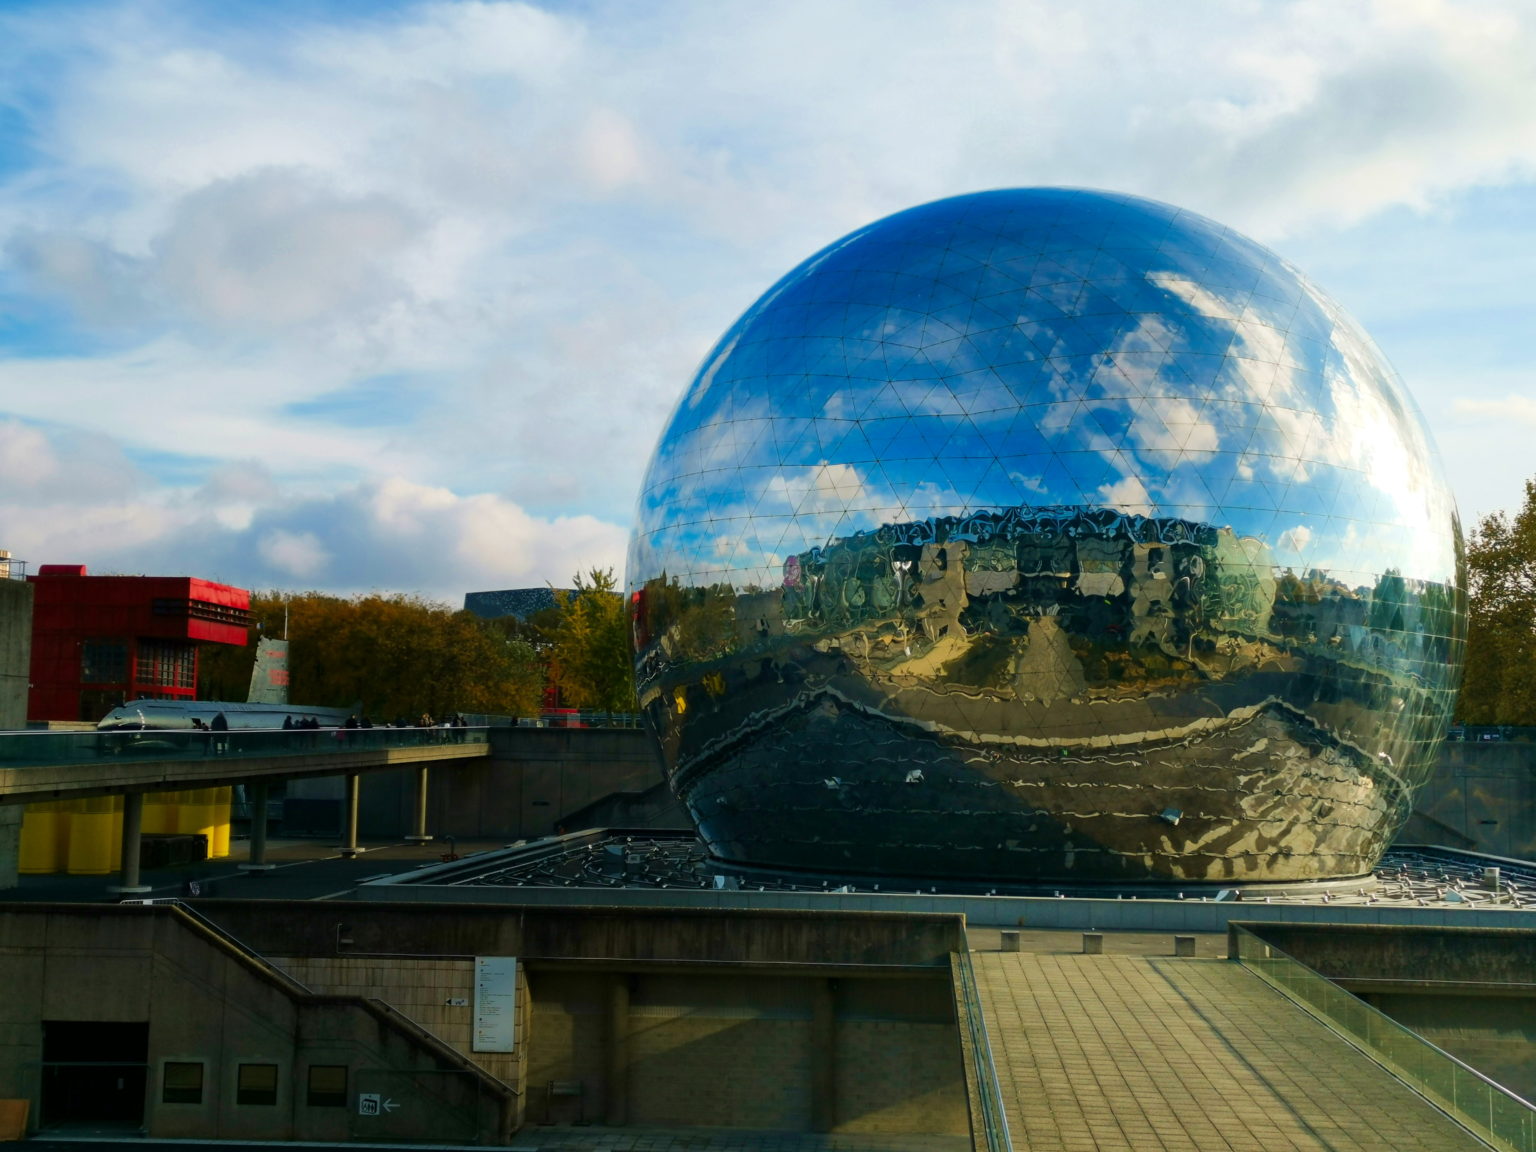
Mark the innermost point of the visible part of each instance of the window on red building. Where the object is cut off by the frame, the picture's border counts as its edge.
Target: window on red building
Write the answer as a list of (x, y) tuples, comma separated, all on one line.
[(166, 664), (104, 662)]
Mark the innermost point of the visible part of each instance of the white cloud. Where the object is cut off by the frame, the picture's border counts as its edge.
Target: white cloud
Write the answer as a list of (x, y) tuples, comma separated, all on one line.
[(271, 250), (546, 216), (1129, 495), (294, 554), (1295, 539)]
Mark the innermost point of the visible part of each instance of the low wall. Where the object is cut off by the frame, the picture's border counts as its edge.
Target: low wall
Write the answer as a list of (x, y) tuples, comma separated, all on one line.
[(1193, 915), (576, 933)]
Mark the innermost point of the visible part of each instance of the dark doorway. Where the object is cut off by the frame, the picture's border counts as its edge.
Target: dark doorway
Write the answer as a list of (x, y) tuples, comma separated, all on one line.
[(93, 1075)]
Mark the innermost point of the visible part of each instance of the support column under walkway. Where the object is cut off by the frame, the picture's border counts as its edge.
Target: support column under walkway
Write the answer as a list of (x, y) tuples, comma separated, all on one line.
[(256, 797), (349, 816), (133, 832), (418, 833)]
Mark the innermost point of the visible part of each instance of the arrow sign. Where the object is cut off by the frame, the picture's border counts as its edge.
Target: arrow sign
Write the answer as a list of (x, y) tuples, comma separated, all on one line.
[(390, 1105)]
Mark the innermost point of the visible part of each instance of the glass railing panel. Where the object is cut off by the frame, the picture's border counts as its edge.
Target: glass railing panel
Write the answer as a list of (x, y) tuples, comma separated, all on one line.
[(1487, 1108), (994, 1117)]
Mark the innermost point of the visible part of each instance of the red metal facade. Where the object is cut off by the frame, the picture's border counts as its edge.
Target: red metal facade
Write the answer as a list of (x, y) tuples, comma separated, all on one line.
[(99, 641)]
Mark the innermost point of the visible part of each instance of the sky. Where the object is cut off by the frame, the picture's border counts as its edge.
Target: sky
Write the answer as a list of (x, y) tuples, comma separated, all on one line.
[(372, 296)]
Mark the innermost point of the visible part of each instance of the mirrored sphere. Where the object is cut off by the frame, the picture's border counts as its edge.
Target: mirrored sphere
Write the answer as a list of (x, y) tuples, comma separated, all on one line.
[(1047, 534)]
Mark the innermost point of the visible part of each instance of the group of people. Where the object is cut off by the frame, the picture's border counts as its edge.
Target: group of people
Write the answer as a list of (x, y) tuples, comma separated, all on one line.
[(354, 722), (218, 733)]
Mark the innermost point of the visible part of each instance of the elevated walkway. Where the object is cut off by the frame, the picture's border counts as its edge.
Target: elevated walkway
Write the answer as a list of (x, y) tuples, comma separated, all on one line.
[(1156, 1054), (77, 765), (66, 765)]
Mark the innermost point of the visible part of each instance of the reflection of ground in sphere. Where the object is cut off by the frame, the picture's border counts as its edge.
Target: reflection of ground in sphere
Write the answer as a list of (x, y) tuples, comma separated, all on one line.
[(1047, 533)]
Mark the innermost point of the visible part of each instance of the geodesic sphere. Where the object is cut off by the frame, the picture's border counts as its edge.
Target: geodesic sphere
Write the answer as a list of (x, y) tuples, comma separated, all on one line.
[(1047, 534)]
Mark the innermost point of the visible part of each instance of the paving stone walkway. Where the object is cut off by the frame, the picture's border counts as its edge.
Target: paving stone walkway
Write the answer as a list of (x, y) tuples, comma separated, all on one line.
[(1194, 1055), (723, 1140)]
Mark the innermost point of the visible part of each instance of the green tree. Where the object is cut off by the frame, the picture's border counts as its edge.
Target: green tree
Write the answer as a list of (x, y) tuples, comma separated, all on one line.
[(1500, 684), (591, 657)]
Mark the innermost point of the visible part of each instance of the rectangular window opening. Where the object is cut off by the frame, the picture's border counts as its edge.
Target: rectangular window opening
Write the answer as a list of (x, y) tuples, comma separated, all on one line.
[(182, 1082), (327, 1086), (256, 1084), (103, 662)]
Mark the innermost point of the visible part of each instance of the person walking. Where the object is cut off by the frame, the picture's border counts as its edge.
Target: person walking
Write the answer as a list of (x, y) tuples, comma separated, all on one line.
[(220, 730)]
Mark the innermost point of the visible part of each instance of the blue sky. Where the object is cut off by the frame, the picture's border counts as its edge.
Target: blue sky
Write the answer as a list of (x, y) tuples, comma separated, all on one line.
[(357, 296)]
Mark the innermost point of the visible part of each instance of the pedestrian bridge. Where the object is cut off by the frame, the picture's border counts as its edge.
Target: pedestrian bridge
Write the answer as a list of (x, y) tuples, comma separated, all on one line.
[(36, 766), (67, 765)]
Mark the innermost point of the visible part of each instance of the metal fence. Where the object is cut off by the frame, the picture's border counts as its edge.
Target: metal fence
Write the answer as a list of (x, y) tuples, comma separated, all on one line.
[(1490, 1110)]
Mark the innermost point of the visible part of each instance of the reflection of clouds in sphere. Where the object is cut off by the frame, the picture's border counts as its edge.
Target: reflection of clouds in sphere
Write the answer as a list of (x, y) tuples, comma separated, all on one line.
[(906, 437)]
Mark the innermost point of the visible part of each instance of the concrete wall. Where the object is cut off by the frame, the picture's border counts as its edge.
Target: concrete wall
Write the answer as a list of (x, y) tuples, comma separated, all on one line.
[(536, 780), (1367, 952), (204, 1002), (15, 651), (775, 1020), (1494, 1034), (746, 1050), (437, 994), (1482, 796)]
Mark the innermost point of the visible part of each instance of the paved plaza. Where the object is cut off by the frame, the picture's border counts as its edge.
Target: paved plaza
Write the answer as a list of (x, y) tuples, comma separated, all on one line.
[(1155, 1054)]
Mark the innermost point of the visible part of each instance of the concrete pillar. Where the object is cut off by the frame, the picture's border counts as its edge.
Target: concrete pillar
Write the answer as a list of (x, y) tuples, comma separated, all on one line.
[(823, 1055), (256, 795), (616, 1099), (419, 833), (133, 831), (15, 647), (10, 843), (1008, 940), (1093, 943), (349, 816), (1183, 945)]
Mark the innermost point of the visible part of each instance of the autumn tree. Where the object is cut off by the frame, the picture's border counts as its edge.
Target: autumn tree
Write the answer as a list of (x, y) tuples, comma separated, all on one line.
[(590, 651), (392, 655), (1500, 684)]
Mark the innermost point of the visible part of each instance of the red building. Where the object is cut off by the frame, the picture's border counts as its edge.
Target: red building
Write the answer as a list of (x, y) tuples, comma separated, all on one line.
[(100, 641)]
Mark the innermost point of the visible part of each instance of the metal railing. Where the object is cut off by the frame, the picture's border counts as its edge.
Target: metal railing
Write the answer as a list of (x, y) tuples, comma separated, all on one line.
[(41, 749), (1489, 733), (580, 718), (1488, 1109), (994, 1118)]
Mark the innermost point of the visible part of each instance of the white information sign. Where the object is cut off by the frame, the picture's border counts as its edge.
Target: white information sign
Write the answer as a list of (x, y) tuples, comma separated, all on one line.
[(495, 1004)]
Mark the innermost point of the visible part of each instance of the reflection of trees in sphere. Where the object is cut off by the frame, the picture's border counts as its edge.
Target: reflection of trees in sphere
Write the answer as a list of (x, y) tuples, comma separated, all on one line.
[(1047, 534)]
